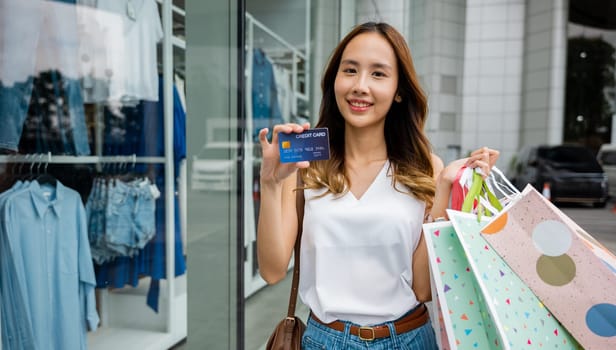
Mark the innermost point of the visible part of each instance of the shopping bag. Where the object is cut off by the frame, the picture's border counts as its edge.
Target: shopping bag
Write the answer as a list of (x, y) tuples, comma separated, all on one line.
[(463, 319), (520, 316), (484, 304), (551, 255)]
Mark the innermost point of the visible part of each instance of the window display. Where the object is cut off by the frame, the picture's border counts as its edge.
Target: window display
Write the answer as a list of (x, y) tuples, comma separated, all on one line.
[(275, 72), (89, 174)]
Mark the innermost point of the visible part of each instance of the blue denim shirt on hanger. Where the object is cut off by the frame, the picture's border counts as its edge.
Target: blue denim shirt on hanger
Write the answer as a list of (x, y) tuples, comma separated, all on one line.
[(54, 262), (16, 331), (265, 108)]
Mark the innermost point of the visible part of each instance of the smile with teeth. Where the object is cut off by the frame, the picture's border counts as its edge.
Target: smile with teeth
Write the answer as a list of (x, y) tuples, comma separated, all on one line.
[(359, 104)]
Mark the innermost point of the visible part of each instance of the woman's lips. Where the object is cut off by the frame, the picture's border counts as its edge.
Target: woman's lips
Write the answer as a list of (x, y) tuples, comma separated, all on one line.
[(359, 105)]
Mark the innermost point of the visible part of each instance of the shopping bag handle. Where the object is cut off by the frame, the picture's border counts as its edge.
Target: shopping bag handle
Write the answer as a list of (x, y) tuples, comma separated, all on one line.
[(479, 193)]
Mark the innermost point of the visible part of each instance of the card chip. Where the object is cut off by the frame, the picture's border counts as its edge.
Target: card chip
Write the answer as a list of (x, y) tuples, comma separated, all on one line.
[(286, 144)]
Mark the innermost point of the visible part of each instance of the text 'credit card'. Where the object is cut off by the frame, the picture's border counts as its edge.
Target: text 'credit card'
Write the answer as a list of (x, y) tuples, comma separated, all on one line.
[(311, 144)]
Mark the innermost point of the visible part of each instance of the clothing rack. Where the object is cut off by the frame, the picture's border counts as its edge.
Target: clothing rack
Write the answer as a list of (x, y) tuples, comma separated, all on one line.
[(296, 54), (175, 40), (289, 56)]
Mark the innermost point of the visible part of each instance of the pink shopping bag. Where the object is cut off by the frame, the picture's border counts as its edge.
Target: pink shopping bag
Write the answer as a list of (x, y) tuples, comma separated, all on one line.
[(558, 261)]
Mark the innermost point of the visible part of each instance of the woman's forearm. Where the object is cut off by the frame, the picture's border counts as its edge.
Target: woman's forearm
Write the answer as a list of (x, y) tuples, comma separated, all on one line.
[(276, 228)]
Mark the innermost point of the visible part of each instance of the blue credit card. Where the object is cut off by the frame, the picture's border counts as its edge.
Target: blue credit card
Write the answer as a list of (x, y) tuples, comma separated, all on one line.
[(311, 144)]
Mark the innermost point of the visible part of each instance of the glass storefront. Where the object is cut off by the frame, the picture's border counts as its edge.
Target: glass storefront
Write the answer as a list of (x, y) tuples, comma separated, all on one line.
[(272, 49)]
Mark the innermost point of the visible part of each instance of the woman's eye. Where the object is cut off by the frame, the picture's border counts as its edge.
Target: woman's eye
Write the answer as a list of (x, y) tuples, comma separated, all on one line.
[(378, 74), (349, 70)]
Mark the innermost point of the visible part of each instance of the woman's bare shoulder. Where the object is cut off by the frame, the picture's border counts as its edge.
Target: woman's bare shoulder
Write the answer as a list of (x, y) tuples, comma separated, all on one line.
[(437, 164)]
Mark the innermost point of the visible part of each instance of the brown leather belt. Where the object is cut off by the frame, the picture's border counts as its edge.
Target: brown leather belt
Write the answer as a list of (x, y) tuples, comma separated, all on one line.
[(415, 319)]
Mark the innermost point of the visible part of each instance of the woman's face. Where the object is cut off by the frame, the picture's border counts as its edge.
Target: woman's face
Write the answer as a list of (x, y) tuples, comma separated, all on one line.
[(367, 80)]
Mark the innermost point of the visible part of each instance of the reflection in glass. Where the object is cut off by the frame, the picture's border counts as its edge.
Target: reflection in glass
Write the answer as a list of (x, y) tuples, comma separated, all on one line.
[(83, 125)]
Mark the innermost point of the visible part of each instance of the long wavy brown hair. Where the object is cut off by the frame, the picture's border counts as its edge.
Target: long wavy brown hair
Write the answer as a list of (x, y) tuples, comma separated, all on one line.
[(408, 149)]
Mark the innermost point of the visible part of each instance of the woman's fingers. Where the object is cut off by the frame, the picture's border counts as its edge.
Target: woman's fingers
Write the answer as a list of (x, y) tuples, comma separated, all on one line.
[(287, 129), (483, 159), (487, 154), (271, 167), (303, 164), (263, 136)]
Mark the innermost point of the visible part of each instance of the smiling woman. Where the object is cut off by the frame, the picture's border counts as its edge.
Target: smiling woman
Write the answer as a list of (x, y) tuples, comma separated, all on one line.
[(363, 263)]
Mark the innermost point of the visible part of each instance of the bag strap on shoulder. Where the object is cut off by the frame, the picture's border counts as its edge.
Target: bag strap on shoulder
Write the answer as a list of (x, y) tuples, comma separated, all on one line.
[(299, 205)]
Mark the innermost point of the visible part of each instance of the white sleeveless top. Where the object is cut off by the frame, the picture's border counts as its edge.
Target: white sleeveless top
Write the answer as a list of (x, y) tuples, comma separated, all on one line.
[(356, 254)]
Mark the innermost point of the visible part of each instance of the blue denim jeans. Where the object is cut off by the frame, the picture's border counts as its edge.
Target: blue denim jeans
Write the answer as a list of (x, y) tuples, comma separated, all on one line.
[(129, 216), (319, 336), (95, 209), (44, 97), (14, 102), (121, 218), (80, 144)]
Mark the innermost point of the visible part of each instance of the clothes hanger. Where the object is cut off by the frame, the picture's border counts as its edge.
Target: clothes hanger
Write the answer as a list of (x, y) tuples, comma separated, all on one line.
[(45, 178)]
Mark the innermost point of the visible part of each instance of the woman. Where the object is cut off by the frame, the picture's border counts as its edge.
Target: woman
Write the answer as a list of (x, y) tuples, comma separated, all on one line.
[(364, 263)]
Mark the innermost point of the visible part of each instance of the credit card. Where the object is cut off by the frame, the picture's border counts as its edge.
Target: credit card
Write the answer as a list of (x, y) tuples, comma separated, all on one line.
[(311, 144)]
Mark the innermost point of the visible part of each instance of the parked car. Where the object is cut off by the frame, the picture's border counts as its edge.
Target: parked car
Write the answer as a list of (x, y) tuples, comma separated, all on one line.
[(570, 172), (607, 158)]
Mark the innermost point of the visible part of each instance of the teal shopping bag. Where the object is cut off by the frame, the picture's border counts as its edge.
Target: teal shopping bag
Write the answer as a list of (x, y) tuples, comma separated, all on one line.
[(464, 320)]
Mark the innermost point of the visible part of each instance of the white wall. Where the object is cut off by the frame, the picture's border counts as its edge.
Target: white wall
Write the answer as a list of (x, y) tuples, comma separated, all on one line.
[(325, 36), (545, 53), (492, 87), (390, 11), (437, 40)]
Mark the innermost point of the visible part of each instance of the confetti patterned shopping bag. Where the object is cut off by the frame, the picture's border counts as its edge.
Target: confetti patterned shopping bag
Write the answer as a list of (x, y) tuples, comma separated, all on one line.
[(463, 319)]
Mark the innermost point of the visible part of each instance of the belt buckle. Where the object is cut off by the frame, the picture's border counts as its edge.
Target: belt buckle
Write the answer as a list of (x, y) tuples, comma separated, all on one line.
[(371, 329)]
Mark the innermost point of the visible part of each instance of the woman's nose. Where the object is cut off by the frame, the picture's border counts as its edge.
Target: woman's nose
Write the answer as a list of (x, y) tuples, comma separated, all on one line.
[(360, 85)]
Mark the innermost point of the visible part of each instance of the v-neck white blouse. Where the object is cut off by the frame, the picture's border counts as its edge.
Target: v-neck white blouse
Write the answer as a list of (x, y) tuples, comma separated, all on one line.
[(356, 254)]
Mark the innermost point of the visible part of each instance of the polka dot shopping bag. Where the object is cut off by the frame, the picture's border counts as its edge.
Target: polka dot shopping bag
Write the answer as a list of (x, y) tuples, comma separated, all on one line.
[(573, 276)]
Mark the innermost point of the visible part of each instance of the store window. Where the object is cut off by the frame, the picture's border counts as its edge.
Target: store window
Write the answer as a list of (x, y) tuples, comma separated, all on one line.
[(92, 147)]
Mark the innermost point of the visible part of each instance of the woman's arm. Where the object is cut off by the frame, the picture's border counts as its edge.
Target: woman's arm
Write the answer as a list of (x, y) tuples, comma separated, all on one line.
[(484, 158), (277, 225), (421, 266)]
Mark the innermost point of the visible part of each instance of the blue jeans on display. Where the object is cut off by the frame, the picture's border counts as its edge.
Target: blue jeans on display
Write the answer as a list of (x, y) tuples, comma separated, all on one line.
[(56, 120), (129, 216), (121, 218), (80, 144), (14, 102), (48, 110), (95, 210), (319, 336)]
